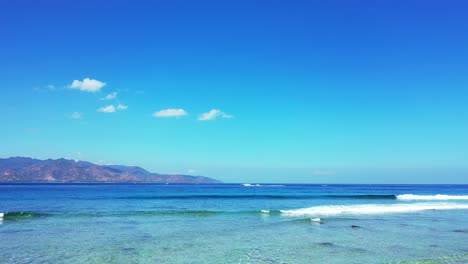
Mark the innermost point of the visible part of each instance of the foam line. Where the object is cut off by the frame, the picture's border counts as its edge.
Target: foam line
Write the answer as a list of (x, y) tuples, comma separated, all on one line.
[(440, 197), (365, 209)]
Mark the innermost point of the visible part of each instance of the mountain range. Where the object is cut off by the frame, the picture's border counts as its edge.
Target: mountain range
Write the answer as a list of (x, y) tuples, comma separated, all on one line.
[(22, 169)]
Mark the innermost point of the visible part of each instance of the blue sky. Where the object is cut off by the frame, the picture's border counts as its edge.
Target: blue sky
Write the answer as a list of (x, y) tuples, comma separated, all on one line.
[(292, 91)]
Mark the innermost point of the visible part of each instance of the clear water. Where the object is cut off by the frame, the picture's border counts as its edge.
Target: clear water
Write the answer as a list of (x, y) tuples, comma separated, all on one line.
[(224, 224)]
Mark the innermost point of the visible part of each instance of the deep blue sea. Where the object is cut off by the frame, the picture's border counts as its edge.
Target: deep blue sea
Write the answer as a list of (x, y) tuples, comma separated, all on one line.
[(233, 223)]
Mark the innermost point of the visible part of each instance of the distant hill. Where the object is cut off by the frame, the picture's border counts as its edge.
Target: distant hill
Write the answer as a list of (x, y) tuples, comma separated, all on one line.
[(20, 169)]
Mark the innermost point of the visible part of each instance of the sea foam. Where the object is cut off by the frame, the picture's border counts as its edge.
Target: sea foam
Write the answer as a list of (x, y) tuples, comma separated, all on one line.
[(440, 197), (364, 209)]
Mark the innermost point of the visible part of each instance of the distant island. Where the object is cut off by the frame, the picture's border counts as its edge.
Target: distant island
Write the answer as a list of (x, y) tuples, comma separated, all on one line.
[(22, 169)]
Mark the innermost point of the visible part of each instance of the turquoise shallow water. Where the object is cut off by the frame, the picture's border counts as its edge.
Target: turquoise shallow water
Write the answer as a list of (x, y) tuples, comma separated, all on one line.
[(232, 223)]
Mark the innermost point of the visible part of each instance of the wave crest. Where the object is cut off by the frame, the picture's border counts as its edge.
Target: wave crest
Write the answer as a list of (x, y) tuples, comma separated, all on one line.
[(20, 215), (365, 209), (442, 197)]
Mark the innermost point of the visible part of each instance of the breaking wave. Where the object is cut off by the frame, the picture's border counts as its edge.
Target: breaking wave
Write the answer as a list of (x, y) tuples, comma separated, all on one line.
[(365, 209), (440, 197)]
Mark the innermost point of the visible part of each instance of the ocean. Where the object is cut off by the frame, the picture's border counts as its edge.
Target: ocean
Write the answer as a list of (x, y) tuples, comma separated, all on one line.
[(233, 223)]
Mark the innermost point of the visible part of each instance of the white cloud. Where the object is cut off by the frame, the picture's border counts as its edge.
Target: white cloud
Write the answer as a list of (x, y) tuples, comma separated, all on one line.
[(122, 107), (170, 113), (107, 109), (87, 85), (112, 108), (213, 114), (78, 154), (324, 172), (76, 115), (110, 96)]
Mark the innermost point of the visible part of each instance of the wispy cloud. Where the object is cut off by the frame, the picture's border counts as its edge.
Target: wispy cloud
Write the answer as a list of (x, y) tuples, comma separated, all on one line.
[(170, 113), (323, 172), (110, 96), (122, 107), (191, 171), (51, 87), (76, 115), (87, 85), (213, 114), (107, 109), (78, 156), (112, 108)]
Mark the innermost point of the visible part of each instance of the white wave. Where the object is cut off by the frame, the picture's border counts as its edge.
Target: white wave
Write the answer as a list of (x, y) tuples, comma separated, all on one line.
[(251, 185), (316, 220), (364, 209), (1, 215), (265, 211), (409, 197)]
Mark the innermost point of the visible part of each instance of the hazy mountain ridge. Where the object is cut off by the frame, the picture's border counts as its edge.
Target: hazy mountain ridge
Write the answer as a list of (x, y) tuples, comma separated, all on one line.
[(22, 169)]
